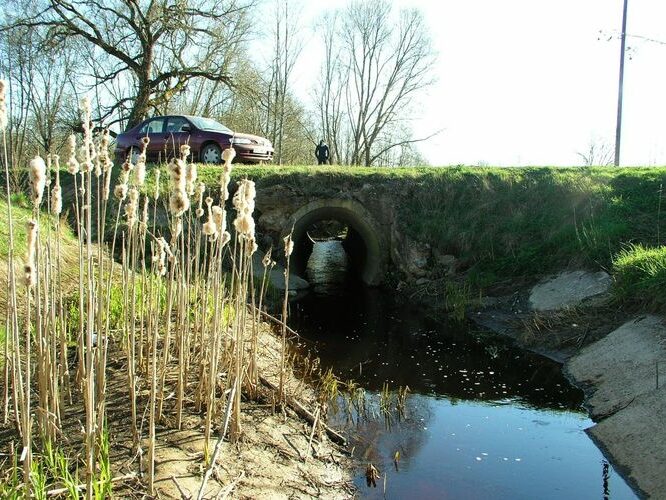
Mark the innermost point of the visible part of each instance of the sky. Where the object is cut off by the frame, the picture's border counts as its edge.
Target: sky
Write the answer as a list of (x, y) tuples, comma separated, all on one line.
[(530, 82)]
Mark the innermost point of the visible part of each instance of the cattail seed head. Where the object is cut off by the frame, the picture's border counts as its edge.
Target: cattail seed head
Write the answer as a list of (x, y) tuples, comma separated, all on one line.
[(228, 155), (120, 192), (162, 253), (191, 178), (127, 165), (56, 192), (177, 174), (178, 203), (143, 223), (3, 105), (185, 151), (288, 245), (266, 261), (131, 209), (140, 170), (244, 224), (209, 228), (73, 166), (219, 217), (177, 229), (37, 179), (225, 238), (56, 199), (225, 179)]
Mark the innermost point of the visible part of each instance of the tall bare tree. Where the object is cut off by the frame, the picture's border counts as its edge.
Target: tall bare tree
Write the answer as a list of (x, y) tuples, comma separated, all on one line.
[(287, 46), (383, 64), (148, 50), (40, 91), (329, 92), (388, 65)]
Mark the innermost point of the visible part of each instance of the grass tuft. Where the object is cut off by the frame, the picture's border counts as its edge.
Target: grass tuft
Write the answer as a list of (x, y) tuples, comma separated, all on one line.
[(640, 276)]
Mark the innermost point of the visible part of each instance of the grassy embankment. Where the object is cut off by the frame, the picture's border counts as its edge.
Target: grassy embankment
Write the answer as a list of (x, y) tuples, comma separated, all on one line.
[(508, 224)]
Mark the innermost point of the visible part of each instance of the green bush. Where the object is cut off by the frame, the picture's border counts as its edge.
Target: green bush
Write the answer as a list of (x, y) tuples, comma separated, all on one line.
[(640, 276)]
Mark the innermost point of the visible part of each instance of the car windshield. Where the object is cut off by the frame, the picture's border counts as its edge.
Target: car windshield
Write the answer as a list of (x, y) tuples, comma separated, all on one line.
[(209, 124)]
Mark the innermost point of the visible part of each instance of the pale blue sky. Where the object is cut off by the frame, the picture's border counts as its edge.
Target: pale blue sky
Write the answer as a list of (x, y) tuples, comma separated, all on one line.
[(528, 82)]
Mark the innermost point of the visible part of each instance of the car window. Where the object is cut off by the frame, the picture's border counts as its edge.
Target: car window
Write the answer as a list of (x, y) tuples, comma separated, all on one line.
[(152, 126), (175, 124), (209, 124)]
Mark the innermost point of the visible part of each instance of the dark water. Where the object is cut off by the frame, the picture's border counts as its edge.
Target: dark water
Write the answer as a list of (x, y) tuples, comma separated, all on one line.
[(482, 419)]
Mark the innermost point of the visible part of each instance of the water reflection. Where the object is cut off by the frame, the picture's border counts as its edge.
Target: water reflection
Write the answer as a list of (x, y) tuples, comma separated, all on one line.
[(327, 268), (484, 420)]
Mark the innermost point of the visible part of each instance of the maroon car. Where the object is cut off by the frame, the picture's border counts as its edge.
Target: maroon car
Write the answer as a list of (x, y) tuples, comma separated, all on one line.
[(206, 137)]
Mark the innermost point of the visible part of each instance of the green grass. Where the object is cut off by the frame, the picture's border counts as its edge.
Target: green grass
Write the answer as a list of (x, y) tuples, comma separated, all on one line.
[(501, 223), (640, 276), (21, 213)]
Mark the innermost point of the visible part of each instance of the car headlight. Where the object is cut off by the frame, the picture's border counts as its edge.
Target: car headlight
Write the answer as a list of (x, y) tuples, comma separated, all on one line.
[(237, 140)]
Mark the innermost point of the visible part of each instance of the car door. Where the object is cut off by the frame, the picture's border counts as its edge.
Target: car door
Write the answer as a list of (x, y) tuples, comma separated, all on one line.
[(177, 131), (154, 130)]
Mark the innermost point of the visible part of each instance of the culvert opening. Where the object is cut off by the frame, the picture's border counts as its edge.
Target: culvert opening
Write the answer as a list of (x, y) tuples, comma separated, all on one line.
[(341, 239), (331, 257)]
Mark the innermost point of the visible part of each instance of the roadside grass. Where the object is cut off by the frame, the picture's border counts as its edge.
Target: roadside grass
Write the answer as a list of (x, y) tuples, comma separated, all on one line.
[(502, 223), (510, 224)]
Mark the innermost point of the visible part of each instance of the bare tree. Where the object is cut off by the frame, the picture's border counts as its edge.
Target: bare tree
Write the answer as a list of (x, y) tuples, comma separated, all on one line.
[(330, 90), (147, 51), (39, 90), (599, 153), (287, 46), (388, 66), (375, 64)]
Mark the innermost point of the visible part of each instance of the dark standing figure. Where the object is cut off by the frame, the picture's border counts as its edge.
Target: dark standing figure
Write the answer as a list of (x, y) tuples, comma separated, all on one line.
[(322, 153)]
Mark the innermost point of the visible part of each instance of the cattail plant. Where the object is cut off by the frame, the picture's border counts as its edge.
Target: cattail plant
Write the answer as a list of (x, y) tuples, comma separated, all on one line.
[(188, 323), (288, 250)]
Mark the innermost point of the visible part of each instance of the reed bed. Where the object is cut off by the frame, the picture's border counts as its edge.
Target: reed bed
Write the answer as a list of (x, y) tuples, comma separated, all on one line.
[(181, 317)]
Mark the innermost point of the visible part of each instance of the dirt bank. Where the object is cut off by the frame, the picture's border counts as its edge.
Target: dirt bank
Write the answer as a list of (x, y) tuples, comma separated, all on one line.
[(279, 454), (620, 375)]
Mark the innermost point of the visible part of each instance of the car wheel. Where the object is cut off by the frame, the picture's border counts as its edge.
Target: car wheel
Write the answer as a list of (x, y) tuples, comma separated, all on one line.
[(211, 153)]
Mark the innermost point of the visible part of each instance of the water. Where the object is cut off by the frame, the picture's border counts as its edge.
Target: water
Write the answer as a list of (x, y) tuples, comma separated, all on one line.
[(482, 419)]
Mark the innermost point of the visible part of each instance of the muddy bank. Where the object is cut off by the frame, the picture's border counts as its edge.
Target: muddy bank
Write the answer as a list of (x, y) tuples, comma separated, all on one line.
[(616, 359)]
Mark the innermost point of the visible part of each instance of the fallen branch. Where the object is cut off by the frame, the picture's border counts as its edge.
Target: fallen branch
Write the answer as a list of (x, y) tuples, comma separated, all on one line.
[(314, 427), (183, 495), (279, 322), (305, 414)]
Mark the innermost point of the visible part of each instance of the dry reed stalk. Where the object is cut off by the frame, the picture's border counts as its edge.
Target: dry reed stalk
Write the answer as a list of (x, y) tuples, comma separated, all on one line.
[(216, 337), (12, 344), (153, 327), (288, 250)]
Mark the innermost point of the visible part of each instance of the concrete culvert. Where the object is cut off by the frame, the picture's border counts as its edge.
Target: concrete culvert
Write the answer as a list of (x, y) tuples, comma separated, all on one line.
[(364, 243)]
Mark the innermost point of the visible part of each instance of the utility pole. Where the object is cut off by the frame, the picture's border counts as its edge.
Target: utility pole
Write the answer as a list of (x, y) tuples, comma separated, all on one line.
[(618, 127)]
